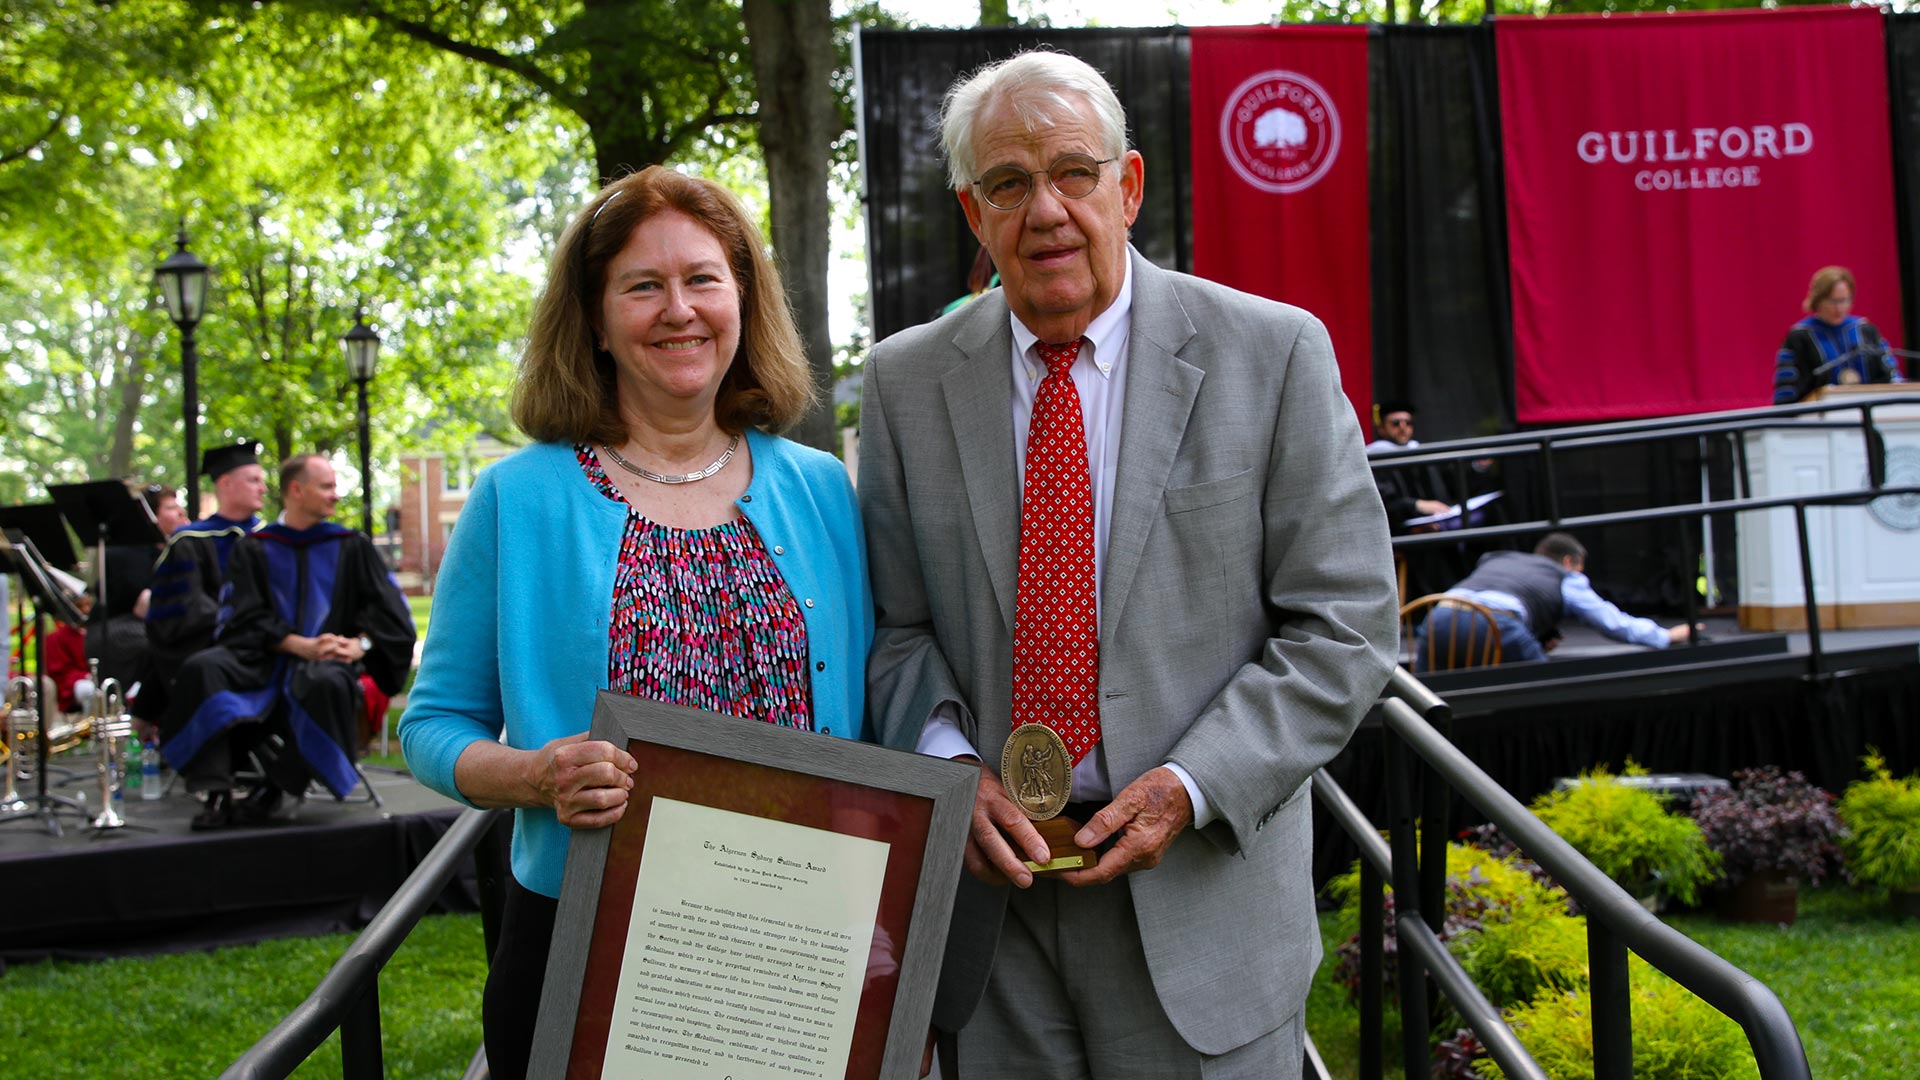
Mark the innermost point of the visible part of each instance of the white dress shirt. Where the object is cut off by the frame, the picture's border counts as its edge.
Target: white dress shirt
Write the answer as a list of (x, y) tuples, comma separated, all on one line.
[(1099, 377)]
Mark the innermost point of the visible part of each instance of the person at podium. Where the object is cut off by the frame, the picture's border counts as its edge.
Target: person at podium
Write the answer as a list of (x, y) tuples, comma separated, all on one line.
[(1831, 346)]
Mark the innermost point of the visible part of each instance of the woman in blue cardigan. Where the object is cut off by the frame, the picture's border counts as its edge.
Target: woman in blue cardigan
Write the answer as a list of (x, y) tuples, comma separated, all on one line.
[(656, 540)]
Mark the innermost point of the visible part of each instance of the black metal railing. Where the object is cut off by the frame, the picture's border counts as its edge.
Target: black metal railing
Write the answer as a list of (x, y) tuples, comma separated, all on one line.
[(348, 998), (1425, 769), (1550, 447)]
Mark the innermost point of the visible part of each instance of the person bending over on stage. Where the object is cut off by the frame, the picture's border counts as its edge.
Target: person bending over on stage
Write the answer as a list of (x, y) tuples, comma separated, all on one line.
[(657, 540), (1831, 346), (1529, 595), (311, 607), (184, 593)]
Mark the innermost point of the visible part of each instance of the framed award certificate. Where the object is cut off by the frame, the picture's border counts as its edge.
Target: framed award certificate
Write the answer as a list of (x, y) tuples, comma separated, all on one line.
[(773, 904)]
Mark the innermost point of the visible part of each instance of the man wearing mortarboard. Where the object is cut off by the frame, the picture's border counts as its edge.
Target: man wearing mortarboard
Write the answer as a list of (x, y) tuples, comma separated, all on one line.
[(189, 581)]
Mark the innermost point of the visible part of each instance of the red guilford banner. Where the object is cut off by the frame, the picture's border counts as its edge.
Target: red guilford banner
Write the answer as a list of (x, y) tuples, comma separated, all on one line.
[(1280, 177), (1673, 181)]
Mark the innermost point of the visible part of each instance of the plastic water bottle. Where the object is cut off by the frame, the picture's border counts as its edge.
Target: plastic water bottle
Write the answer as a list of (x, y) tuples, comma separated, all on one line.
[(130, 775), (149, 782)]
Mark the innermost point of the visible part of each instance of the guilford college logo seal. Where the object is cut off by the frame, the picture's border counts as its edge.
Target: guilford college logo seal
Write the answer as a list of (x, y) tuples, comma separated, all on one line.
[(1280, 131)]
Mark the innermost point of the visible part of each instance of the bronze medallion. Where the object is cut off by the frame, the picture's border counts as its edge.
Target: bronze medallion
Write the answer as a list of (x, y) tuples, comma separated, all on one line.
[(1036, 770)]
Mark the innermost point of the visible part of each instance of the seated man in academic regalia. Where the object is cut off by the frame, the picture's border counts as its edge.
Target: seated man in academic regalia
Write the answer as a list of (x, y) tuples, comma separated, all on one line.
[(310, 607), (184, 592)]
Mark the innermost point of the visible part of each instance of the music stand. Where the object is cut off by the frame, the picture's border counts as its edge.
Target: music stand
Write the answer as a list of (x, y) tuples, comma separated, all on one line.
[(106, 512), (20, 550)]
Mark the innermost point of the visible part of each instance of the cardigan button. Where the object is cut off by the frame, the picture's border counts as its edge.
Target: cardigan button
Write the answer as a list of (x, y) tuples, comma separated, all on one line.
[(826, 731), (809, 601), (820, 665), (778, 550), (746, 498)]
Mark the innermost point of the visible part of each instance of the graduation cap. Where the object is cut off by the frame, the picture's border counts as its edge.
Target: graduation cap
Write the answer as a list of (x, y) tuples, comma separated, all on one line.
[(224, 459)]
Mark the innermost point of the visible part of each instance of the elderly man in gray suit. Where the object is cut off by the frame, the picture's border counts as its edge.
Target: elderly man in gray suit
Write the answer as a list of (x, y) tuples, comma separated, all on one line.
[(1131, 508)]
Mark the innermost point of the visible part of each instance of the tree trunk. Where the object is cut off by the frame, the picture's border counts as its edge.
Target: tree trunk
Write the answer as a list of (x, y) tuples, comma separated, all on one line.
[(791, 43), (132, 384)]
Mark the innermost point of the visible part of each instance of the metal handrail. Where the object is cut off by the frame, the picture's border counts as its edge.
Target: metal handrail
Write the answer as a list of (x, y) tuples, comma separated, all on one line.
[(1547, 441), (1617, 432), (1851, 497), (1616, 922), (348, 997), (1747, 1000)]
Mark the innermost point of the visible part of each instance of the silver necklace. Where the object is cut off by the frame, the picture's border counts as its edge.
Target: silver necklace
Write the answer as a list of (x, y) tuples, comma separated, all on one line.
[(683, 478)]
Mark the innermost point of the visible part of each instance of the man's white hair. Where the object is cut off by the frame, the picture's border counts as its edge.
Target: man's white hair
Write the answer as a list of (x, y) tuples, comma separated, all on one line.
[(1043, 88)]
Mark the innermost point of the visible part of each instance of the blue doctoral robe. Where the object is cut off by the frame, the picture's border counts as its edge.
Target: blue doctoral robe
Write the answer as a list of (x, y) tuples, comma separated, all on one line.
[(323, 580)]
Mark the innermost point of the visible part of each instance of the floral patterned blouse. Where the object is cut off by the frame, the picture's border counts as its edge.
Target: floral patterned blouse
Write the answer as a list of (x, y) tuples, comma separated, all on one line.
[(703, 618)]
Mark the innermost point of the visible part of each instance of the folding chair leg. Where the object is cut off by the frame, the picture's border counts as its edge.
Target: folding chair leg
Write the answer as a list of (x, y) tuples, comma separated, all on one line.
[(373, 793)]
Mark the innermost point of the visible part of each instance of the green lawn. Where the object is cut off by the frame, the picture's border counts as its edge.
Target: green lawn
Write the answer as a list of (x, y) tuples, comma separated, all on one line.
[(1847, 971), (422, 606), (191, 1015)]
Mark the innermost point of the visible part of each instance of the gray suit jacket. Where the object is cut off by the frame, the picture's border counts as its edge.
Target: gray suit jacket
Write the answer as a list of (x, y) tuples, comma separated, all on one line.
[(1248, 612)]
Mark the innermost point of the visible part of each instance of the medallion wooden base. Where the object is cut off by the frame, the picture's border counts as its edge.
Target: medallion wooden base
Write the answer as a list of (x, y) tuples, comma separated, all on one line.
[(1062, 852)]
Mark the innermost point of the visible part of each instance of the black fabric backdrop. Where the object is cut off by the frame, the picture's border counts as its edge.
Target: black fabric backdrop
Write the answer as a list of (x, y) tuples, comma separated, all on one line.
[(1903, 84), (1820, 727), (918, 246), (1442, 333), (136, 894)]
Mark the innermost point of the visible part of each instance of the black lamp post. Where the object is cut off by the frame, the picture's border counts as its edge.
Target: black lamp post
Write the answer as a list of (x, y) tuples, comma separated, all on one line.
[(183, 283), (362, 347)]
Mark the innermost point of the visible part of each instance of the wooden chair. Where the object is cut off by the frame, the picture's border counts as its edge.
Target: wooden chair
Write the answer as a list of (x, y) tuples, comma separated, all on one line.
[(1471, 640)]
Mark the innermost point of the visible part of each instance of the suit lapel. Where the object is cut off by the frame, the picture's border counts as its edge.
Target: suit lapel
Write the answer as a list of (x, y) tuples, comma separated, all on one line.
[(1161, 389), (979, 393)]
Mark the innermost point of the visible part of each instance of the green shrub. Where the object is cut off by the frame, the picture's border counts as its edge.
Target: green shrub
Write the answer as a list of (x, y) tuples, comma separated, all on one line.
[(1676, 1036), (1628, 833), (1536, 947), (1882, 815), (1484, 891)]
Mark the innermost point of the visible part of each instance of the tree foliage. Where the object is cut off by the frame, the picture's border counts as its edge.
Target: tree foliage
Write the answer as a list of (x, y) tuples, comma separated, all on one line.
[(308, 184)]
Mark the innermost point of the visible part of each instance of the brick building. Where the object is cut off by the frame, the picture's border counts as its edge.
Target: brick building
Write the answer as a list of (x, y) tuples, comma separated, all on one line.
[(433, 488)]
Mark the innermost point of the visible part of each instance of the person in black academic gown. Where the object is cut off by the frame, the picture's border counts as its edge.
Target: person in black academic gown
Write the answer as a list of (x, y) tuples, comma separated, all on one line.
[(184, 593), (310, 606)]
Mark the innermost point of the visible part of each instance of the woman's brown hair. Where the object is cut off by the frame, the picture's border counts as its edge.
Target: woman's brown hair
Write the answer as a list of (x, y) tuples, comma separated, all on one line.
[(1824, 281), (565, 388)]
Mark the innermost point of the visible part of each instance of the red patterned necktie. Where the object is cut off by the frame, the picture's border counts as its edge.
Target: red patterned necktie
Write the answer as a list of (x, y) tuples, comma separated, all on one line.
[(1056, 646)]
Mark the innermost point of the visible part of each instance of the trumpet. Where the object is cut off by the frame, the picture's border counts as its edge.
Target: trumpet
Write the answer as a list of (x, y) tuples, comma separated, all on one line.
[(64, 733), (21, 719), (111, 725)]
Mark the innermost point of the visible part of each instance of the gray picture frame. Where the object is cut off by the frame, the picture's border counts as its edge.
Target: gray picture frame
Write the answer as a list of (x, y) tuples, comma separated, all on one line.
[(949, 785)]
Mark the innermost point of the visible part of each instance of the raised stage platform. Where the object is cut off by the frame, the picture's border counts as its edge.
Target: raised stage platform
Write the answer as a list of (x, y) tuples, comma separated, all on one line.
[(1735, 700), (160, 887)]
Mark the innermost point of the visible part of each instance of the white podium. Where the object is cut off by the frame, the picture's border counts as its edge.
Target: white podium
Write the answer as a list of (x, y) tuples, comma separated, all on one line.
[(1866, 559)]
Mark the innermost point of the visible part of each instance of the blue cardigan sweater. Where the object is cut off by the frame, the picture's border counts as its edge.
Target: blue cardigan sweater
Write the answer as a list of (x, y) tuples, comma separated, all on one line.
[(523, 607)]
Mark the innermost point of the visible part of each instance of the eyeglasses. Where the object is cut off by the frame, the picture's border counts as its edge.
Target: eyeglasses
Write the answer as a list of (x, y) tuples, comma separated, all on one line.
[(1399, 421), (1073, 176)]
